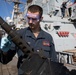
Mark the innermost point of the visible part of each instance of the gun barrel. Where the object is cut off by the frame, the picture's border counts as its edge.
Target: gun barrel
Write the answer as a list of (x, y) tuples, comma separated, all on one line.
[(4, 25), (23, 45)]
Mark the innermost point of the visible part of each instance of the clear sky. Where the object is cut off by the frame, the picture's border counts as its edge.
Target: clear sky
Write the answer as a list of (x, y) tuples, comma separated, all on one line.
[(7, 7)]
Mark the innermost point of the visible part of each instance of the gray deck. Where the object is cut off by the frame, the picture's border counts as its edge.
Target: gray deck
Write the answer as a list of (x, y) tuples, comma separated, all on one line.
[(10, 68)]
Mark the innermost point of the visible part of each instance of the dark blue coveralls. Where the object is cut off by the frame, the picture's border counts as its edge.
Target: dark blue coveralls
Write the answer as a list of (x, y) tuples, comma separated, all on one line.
[(43, 42)]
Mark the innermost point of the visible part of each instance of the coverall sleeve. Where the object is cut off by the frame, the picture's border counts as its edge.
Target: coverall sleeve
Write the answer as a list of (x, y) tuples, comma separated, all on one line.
[(53, 54)]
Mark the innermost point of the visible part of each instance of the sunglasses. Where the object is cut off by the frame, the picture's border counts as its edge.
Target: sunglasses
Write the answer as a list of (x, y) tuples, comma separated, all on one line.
[(30, 17)]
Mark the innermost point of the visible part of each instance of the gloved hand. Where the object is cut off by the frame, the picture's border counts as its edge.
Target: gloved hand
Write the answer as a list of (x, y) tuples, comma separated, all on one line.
[(5, 44)]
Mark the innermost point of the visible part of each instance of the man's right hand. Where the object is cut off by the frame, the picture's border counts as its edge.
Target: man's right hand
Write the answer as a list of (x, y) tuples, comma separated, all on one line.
[(5, 44)]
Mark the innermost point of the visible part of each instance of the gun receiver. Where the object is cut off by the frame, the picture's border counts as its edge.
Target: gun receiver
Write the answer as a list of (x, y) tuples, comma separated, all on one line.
[(23, 45)]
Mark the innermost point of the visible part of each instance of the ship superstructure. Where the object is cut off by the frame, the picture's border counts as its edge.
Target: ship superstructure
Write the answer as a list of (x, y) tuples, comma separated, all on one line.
[(17, 17)]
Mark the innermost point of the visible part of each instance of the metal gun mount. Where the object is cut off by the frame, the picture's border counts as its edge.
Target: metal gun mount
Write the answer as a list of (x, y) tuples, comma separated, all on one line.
[(35, 65)]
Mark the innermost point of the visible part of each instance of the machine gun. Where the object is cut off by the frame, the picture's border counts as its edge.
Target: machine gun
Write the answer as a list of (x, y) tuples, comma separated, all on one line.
[(35, 65), (23, 45)]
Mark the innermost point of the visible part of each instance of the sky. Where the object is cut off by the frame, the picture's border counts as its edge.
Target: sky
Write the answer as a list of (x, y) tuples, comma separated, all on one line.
[(7, 7)]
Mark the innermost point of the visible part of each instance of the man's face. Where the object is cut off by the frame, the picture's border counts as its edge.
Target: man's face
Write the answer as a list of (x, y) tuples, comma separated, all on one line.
[(33, 19)]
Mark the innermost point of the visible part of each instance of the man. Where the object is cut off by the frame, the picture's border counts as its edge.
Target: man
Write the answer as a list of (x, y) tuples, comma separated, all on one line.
[(63, 7), (57, 9), (34, 36)]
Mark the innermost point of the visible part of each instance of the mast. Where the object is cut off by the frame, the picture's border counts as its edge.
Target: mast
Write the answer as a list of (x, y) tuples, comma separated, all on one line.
[(17, 15), (16, 11)]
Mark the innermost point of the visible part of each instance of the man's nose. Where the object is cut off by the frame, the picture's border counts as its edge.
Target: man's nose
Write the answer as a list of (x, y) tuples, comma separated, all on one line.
[(30, 21)]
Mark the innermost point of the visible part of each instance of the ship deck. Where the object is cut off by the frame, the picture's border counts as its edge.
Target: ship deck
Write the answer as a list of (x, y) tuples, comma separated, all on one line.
[(10, 68)]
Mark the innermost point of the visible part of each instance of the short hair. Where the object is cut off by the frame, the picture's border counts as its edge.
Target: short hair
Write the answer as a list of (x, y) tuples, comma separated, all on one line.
[(35, 8)]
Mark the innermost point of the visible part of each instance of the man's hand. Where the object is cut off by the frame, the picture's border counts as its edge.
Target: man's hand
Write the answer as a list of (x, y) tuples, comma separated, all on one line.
[(5, 44)]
